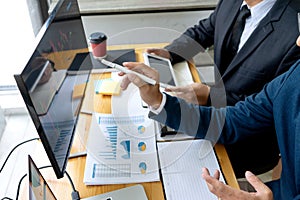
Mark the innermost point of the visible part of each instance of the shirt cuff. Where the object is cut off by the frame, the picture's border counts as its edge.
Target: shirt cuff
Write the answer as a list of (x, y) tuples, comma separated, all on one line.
[(161, 106)]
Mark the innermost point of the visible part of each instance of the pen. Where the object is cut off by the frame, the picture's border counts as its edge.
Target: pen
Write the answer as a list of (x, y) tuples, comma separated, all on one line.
[(127, 71)]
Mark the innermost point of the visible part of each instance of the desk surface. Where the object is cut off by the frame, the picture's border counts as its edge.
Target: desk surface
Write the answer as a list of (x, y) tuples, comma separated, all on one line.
[(76, 166)]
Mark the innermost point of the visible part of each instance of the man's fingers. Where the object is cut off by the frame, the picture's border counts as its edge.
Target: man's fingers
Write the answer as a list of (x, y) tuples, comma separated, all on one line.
[(178, 89), (226, 192), (130, 77), (298, 41), (262, 190), (125, 82), (152, 50), (209, 179), (258, 185), (214, 185), (217, 174), (205, 171), (131, 65), (159, 52), (140, 68), (221, 190)]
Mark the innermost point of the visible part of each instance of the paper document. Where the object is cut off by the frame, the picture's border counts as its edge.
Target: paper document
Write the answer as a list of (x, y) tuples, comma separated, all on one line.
[(121, 149), (181, 166), (183, 73)]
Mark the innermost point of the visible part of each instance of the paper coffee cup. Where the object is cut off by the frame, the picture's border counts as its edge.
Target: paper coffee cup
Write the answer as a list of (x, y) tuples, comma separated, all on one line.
[(98, 44)]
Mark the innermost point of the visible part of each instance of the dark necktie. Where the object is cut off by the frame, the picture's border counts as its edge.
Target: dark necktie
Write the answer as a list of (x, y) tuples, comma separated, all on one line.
[(238, 28)]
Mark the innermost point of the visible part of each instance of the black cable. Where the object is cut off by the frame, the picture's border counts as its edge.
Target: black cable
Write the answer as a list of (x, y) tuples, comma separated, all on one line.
[(70, 180), (19, 185), (75, 194), (15, 149)]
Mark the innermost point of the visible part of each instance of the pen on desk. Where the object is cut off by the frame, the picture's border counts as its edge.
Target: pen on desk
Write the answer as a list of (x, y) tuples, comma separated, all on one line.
[(127, 71)]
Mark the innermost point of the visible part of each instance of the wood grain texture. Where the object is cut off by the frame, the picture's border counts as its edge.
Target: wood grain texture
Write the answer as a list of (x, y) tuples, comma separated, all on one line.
[(102, 103)]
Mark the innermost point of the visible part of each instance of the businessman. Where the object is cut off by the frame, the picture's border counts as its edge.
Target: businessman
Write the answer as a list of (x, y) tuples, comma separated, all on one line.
[(276, 105), (243, 63)]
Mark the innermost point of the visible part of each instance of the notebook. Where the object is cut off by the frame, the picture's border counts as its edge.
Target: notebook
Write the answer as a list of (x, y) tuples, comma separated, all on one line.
[(40, 190), (181, 165)]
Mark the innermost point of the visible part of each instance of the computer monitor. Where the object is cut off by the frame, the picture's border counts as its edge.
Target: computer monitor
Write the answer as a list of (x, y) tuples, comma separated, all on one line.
[(46, 87), (40, 190), (38, 187)]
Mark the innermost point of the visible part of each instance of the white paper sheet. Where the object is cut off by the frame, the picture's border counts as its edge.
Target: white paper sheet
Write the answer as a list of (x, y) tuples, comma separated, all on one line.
[(181, 166), (120, 150)]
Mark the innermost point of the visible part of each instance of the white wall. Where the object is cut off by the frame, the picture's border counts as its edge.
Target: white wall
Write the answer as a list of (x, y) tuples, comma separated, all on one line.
[(142, 28)]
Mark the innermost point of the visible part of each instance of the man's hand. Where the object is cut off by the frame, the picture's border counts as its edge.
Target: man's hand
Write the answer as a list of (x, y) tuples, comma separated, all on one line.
[(298, 41), (225, 192), (196, 93), (149, 93), (159, 52)]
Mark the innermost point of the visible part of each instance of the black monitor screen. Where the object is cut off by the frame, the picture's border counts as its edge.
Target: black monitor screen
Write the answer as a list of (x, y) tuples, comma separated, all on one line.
[(47, 88)]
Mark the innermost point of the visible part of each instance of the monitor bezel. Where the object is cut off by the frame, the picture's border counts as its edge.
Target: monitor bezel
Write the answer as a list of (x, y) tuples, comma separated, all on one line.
[(59, 171), (30, 163)]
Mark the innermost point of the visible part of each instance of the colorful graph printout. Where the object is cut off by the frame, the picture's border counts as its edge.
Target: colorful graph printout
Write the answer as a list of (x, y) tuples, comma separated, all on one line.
[(121, 149)]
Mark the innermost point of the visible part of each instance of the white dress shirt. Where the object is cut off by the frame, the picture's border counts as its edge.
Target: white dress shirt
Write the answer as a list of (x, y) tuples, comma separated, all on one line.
[(258, 12)]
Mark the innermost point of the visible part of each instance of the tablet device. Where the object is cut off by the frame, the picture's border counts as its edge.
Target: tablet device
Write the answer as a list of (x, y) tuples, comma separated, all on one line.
[(163, 66)]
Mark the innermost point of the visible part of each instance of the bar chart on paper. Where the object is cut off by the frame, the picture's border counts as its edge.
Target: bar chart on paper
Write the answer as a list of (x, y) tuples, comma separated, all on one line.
[(121, 149), (112, 170), (111, 152)]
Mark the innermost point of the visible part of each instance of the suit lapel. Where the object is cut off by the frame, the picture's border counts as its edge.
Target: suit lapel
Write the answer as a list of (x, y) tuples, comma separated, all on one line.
[(259, 34), (227, 20)]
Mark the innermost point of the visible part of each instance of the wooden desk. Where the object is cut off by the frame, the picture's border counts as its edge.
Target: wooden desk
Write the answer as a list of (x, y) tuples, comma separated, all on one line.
[(75, 167)]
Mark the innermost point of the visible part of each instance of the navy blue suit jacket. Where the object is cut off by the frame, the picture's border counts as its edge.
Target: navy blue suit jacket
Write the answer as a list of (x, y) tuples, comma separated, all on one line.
[(270, 51), (278, 104)]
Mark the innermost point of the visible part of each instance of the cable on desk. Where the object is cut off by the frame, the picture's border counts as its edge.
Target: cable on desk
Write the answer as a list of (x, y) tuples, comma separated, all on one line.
[(6, 198), (14, 150), (19, 185), (75, 194)]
